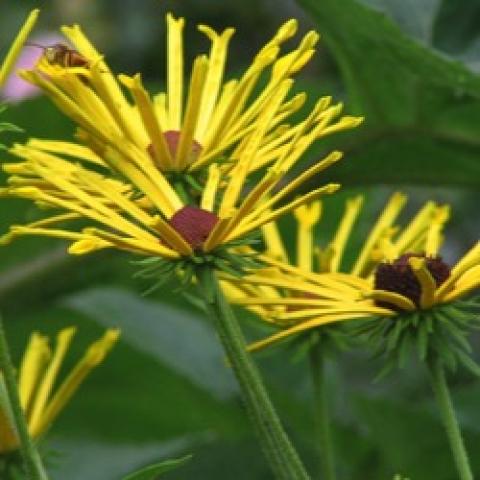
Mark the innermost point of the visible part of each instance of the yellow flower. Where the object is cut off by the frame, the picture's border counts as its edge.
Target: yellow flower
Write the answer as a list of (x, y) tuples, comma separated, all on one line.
[(17, 46), (41, 400), (321, 288), (125, 179), (216, 117)]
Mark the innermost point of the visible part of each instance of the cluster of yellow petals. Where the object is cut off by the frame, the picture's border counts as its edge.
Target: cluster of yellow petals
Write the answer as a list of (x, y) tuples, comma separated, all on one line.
[(41, 398), (118, 176), (320, 289)]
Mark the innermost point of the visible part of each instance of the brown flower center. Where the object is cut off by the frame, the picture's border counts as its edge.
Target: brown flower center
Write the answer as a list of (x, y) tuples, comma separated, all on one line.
[(172, 137), (398, 277), (193, 224)]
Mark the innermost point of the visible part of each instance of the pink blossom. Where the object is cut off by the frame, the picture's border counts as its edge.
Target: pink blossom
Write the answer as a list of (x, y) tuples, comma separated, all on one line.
[(16, 89)]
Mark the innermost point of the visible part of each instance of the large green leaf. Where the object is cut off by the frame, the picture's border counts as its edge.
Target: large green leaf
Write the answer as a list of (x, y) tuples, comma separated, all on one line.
[(422, 109), (109, 462), (175, 337)]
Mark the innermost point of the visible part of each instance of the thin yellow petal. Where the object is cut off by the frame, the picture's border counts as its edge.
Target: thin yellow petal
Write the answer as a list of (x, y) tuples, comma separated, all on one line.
[(34, 361), (352, 210), (434, 234), (427, 282), (216, 66), (92, 358), (249, 203), (469, 260), (404, 303), (192, 113), (307, 217), (210, 189), (17, 45), (162, 155), (88, 245), (268, 217), (45, 388), (461, 289), (19, 230), (302, 327), (274, 243), (66, 148), (300, 180), (385, 221), (175, 70), (106, 86), (240, 172)]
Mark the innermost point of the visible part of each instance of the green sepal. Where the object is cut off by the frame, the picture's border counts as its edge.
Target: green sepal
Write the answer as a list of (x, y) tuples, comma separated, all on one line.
[(190, 179), (227, 258), (440, 332), (334, 338), (422, 341), (7, 127)]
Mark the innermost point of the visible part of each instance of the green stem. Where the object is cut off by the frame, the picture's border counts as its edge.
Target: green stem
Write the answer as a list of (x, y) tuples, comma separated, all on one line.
[(322, 417), (280, 453), (445, 405), (182, 192), (31, 458)]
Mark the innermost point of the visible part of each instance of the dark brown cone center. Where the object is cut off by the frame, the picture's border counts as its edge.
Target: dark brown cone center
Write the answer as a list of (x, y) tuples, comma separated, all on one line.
[(193, 224), (398, 277), (172, 137)]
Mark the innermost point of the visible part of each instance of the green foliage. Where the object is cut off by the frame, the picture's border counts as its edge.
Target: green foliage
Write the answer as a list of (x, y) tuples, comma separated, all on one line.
[(11, 467), (172, 336), (421, 108), (152, 472), (167, 390)]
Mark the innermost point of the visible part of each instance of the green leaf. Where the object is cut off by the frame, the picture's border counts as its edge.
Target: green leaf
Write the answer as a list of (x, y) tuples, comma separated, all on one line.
[(175, 337), (458, 38), (422, 342), (409, 435), (152, 472), (421, 108)]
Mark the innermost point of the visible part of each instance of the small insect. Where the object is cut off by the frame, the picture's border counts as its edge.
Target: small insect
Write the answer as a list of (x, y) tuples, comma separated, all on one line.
[(62, 55)]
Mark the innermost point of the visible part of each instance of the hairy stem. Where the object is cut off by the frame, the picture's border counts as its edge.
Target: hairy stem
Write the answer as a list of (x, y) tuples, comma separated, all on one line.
[(322, 416), (445, 405), (31, 457), (280, 453)]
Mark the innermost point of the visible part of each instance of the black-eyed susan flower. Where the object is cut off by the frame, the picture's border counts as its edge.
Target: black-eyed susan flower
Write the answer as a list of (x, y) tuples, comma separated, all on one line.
[(320, 287), (177, 135), (120, 179), (41, 396), (426, 307), (399, 289)]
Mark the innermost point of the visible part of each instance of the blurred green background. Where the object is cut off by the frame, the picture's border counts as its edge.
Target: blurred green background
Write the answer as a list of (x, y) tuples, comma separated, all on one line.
[(411, 68)]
